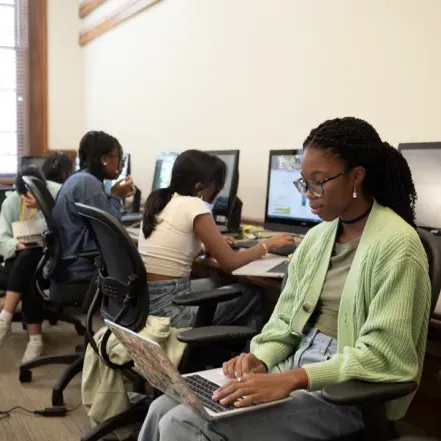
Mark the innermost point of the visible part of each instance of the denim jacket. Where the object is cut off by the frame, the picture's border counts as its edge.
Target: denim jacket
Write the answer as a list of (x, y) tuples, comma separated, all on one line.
[(74, 234)]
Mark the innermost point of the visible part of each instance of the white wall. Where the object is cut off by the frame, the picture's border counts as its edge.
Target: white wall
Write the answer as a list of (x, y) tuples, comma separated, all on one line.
[(65, 75), (257, 75)]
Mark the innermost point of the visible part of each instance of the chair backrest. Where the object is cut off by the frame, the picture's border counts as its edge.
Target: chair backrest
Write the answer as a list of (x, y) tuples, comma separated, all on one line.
[(52, 243), (122, 270), (432, 245)]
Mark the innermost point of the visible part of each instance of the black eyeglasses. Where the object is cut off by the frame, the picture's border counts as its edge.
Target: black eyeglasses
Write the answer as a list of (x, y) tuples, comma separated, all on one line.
[(315, 187)]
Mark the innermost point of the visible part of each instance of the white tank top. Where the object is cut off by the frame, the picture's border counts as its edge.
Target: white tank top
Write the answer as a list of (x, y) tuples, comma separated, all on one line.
[(173, 245)]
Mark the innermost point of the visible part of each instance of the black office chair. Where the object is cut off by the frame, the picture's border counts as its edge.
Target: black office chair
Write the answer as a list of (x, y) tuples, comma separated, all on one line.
[(371, 397), (61, 294), (123, 293)]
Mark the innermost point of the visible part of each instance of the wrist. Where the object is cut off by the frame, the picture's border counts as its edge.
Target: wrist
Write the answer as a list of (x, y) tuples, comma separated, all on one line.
[(266, 245), (297, 378)]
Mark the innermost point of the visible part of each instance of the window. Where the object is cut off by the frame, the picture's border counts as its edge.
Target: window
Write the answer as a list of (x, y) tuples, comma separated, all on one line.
[(23, 82), (13, 76)]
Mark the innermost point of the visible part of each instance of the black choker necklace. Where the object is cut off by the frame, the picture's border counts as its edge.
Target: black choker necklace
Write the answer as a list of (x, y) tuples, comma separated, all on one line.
[(357, 219)]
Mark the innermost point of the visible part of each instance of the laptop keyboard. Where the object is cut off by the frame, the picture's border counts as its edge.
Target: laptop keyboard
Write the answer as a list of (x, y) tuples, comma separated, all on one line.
[(280, 268), (204, 390), (34, 238)]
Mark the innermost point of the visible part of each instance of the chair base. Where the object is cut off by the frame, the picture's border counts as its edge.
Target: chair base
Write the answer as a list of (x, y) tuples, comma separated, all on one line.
[(131, 416), (75, 362)]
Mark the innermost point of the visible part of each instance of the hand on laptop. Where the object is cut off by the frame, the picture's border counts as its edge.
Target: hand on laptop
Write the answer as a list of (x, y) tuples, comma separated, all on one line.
[(243, 364), (259, 388), (20, 245)]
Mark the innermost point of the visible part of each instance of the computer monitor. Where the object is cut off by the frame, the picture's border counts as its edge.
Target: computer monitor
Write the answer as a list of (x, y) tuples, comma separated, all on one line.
[(228, 207), (286, 209), (225, 200), (38, 161), (163, 169), (424, 159)]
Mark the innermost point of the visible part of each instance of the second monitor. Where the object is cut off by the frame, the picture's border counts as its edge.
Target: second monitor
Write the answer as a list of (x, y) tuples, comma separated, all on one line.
[(286, 209)]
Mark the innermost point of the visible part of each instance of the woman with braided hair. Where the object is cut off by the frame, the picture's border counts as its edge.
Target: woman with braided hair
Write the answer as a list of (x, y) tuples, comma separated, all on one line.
[(101, 157), (355, 305)]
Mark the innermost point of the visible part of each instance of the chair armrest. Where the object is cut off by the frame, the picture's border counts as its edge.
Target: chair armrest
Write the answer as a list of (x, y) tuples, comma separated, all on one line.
[(211, 334), (200, 298), (359, 393)]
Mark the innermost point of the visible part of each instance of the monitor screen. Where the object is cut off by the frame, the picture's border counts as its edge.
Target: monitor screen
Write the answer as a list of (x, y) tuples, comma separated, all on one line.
[(231, 159), (285, 206), (163, 169), (424, 161), (38, 161), (164, 166)]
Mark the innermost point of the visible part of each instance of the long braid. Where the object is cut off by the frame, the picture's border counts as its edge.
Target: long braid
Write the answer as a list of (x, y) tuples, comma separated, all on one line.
[(388, 176)]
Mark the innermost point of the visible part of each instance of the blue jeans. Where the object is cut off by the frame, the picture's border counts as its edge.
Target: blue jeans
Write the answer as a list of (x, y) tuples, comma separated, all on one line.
[(306, 417), (245, 310)]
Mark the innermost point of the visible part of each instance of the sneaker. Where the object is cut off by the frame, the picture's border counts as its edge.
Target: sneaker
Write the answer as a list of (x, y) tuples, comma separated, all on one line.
[(4, 330), (33, 350)]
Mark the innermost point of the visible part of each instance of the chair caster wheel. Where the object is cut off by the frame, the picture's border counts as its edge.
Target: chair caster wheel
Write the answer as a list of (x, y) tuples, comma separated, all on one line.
[(57, 398), (25, 375), (80, 329)]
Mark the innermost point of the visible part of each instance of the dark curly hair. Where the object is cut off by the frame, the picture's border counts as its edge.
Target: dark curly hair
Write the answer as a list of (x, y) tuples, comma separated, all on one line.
[(356, 143)]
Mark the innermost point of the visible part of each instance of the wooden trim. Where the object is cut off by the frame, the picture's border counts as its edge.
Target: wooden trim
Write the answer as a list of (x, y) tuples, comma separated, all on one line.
[(38, 88), (130, 9), (87, 6)]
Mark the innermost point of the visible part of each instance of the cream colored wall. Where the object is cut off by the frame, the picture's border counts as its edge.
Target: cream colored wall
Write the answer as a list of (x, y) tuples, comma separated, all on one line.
[(65, 75), (257, 75)]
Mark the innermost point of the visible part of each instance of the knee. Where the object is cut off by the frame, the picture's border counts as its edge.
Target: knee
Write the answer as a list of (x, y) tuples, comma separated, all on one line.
[(179, 420), (161, 405)]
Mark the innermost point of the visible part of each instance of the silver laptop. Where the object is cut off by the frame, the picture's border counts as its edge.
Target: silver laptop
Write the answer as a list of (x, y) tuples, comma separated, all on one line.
[(270, 266), (192, 390)]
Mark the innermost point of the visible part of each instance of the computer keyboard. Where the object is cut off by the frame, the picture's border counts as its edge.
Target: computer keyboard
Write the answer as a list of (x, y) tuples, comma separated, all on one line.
[(131, 218), (204, 390), (247, 243), (32, 239), (282, 251)]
